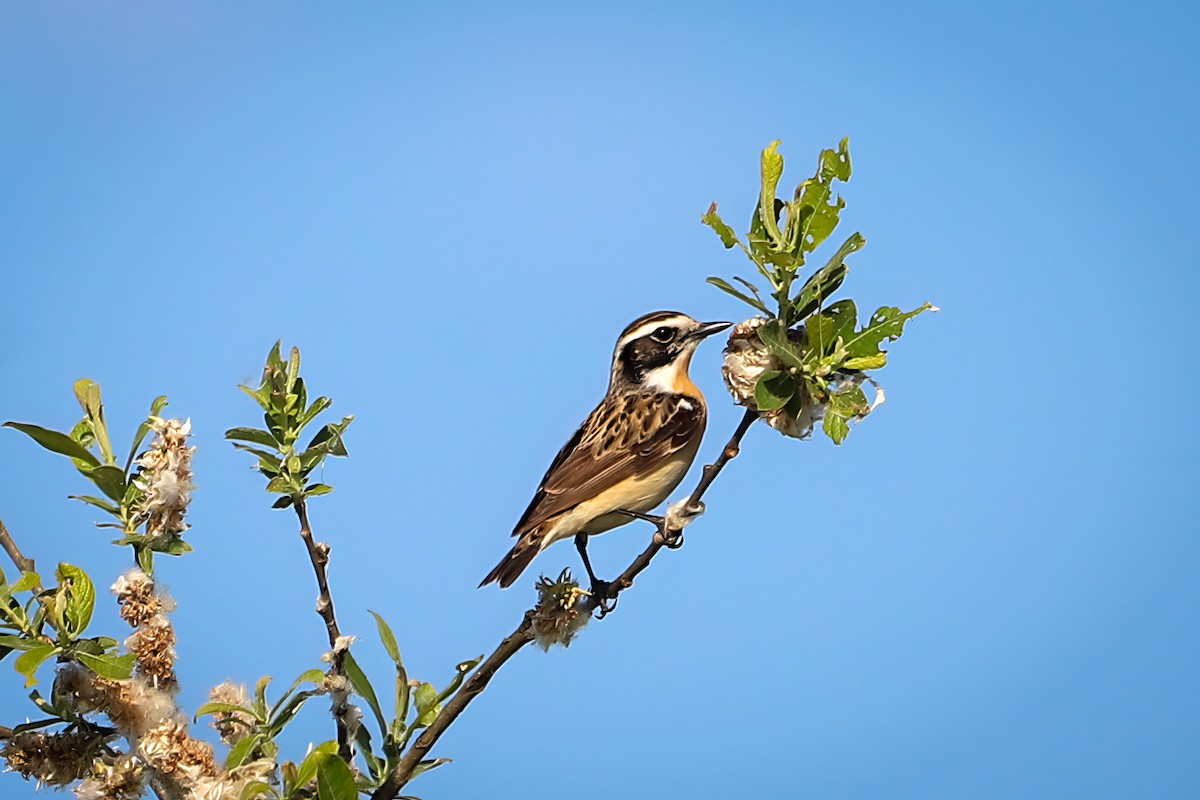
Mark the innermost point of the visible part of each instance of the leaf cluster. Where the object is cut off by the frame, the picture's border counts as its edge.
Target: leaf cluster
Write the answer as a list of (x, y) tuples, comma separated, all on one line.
[(283, 398), (51, 623), (264, 722), (90, 449), (417, 705), (823, 351)]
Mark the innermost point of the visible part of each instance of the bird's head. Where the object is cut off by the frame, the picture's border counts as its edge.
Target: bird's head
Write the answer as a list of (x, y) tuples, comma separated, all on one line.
[(654, 351)]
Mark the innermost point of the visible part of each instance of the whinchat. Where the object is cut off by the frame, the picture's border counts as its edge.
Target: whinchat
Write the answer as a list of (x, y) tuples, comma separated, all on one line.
[(630, 453)]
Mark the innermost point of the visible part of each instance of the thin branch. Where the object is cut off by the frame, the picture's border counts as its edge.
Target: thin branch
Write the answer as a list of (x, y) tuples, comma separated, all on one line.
[(671, 539), (401, 775), (22, 563), (165, 788), (18, 558), (523, 635), (318, 553)]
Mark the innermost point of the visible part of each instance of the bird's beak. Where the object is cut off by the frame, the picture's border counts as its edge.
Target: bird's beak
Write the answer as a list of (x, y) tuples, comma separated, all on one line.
[(707, 329)]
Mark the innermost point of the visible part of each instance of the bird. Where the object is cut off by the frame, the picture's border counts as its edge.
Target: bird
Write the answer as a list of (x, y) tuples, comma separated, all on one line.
[(629, 454)]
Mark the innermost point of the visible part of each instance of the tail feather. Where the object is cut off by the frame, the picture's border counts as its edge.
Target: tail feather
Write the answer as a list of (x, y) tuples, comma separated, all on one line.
[(513, 564)]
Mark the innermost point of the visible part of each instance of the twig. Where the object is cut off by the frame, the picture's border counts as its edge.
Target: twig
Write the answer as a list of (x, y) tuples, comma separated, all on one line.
[(18, 558), (165, 788), (395, 781), (665, 537), (318, 553), (523, 635)]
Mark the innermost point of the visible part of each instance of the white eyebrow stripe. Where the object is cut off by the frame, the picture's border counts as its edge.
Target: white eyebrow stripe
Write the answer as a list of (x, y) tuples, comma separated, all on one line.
[(678, 321)]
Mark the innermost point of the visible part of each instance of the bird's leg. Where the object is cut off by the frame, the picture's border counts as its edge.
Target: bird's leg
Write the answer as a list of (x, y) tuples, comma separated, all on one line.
[(672, 539), (656, 521), (599, 588)]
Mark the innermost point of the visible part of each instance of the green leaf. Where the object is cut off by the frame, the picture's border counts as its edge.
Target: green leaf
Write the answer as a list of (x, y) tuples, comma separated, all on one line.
[(335, 781), (15, 642), (825, 329), (260, 697), (836, 164), (280, 485), (773, 390), (113, 667), (81, 596), (774, 336), (844, 405), (825, 281), (724, 286), (271, 458), (314, 676), (55, 442), (254, 789), (877, 361), (461, 671), (317, 489), (109, 479), (37, 724), (282, 502), (242, 750), (714, 221), (308, 767), (428, 707), (358, 679), (293, 368), (886, 324), (274, 359), (215, 707), (772, 171), (260, 397), (288, 711), (88, 393), (144, 429), (97, 502), (388, 638), (817, 217), (318, 405), (82, 433), (375, 765), (26, 582), (329, 438), (28, 662), (255, 435), (428, 764)]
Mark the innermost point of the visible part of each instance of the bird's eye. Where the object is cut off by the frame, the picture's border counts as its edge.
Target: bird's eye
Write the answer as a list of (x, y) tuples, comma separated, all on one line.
[(663, 335)]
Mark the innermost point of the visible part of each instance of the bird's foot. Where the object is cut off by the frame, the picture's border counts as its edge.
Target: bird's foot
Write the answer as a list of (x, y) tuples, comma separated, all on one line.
[(605, 602), (679, 516)]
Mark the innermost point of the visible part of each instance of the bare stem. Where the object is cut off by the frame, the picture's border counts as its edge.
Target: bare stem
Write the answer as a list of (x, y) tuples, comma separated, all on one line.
[(165, 788), (523, 635), (395, 781), (18, 558), (318, 553)]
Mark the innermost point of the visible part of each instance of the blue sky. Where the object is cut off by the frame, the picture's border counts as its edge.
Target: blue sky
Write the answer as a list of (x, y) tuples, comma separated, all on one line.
[(988, 591)]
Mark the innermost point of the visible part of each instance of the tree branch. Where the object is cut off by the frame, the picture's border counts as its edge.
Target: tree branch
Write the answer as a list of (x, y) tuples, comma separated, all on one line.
[(18, 558), (165, 788), (671, 538), (318, 553), (523, 635), (395, 781)]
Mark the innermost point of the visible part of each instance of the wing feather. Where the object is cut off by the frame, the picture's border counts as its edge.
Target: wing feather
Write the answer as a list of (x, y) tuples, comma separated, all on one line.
[(616, 442)]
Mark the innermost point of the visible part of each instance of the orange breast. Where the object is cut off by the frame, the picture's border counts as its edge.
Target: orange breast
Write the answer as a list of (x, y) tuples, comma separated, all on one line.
[(683, 382)]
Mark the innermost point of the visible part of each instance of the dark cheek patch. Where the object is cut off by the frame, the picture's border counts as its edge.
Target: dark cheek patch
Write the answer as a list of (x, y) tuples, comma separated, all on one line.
[(642, 355)]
